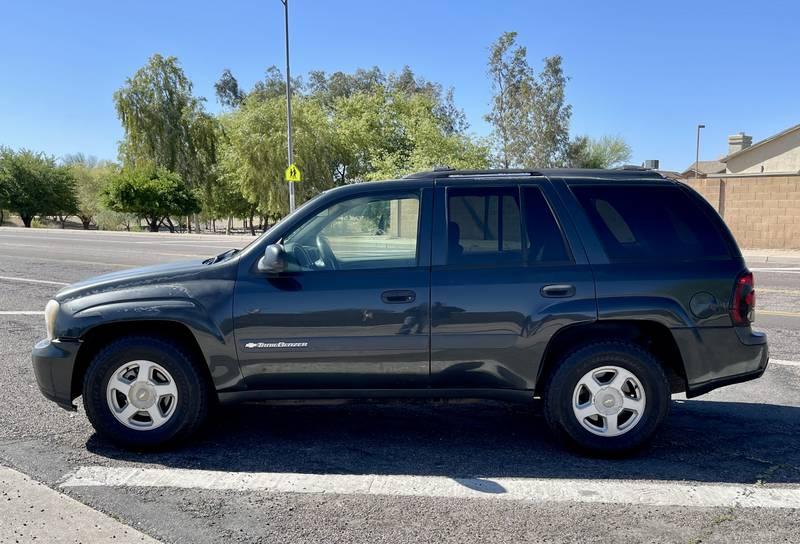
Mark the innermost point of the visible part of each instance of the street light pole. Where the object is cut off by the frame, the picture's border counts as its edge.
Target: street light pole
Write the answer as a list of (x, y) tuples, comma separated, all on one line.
[(697, 153), (288, 102)]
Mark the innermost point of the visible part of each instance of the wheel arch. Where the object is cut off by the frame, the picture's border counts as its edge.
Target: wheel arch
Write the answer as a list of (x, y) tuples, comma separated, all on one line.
[(653, 336), (94, 339)]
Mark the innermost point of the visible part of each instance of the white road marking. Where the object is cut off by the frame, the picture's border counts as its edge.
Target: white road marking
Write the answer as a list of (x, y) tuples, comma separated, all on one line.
[(791, 292), (126, 252), (31, 280), (38, 258), (784, 362), (218, 245), (777, 313), (519, 489), (21, 312), (777, 270)]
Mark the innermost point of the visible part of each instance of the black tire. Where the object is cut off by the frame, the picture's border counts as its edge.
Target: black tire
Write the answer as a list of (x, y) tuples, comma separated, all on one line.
[(194, 391), (560, 390)]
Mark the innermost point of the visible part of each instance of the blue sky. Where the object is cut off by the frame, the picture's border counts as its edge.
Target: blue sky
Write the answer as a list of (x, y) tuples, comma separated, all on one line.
[(648, 71)]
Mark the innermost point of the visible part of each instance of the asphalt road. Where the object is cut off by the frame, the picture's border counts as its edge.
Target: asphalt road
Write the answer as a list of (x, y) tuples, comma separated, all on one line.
[(446, 466)]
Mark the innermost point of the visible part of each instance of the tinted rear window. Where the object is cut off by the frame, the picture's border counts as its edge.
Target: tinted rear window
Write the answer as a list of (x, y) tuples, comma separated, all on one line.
[(638, 223), (484, 226)]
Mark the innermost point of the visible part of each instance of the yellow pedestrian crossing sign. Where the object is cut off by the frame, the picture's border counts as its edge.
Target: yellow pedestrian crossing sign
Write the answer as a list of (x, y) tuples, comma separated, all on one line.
[(293, 173)]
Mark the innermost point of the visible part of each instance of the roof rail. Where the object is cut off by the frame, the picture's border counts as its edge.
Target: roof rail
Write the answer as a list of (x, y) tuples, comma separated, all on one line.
[(444, 172)]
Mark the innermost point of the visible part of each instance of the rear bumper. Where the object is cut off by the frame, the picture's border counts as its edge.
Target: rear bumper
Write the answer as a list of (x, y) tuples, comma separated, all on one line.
[(718, 356), (53, 363)]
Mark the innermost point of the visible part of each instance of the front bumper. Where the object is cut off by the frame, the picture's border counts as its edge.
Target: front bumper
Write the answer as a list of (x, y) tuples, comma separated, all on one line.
[(717, 356), (53, 363)]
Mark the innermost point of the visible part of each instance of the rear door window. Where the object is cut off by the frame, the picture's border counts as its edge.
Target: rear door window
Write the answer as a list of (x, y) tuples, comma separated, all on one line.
[(484, 226), (638, 223), (544, 240)]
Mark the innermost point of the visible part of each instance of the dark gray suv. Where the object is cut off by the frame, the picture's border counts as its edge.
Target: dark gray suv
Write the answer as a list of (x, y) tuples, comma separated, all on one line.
[(601, 291)]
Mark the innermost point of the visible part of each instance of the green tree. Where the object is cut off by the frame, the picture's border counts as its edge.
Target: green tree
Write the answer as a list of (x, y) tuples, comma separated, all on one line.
[(253, 151), (165, 125), (228, 92), (548, 143), (91, 178), (529, 115), (150, 193), (604, 152), (33, 184)]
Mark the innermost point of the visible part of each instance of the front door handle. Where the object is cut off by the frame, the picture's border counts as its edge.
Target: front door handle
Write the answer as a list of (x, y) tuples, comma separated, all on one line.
[(558, 290), (401, 296)]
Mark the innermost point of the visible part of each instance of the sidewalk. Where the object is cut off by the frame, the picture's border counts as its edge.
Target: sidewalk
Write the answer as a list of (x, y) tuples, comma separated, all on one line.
[(788, 256), (32, 512)]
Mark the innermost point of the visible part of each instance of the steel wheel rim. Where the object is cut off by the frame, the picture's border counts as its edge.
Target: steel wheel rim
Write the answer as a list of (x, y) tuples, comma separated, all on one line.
[(142, 395), (609, 401)]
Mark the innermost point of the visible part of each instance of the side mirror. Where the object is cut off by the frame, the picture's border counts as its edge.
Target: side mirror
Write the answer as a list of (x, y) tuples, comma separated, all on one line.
[(273, 261)]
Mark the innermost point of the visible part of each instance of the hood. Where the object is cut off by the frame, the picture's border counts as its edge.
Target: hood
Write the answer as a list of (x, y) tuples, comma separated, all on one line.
[(124, 279)]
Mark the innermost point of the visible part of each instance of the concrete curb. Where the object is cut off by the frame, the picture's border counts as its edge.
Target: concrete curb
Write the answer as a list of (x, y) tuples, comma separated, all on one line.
[(34, 512)]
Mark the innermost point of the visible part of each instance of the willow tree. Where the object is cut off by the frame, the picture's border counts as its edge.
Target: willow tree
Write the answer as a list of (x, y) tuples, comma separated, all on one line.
[(253, 151), (165, 125)]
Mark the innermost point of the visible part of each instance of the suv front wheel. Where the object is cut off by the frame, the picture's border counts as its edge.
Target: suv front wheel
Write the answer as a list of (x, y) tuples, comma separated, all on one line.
[(607, 398), (144, 392)]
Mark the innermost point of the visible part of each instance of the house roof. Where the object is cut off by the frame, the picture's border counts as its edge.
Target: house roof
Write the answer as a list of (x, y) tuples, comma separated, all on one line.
[(705, 167), (762, 142)]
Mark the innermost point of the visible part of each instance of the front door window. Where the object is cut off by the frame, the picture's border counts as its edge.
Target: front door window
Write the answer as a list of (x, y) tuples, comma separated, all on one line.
[(362, 233)]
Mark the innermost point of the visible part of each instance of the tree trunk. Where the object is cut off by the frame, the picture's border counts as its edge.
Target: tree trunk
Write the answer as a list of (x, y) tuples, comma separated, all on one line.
[(252, 230), (2, 217), (152, 224), (229, 225), (171, 225), (26, 220)]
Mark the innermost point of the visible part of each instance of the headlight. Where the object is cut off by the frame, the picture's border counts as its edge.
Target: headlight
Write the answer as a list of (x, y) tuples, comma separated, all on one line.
[(50, 313)]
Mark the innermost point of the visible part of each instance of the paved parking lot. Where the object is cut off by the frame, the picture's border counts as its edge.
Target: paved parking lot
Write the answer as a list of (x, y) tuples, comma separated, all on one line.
[(725, 469)]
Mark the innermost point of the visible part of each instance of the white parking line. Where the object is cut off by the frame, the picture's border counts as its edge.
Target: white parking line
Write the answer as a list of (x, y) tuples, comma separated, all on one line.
[(31, 280), (777, 270), (784, 362), (21, 312), (517, 489)]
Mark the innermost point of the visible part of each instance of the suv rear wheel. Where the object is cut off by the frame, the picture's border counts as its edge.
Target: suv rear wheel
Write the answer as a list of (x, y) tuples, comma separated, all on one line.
[(607, 398), (143, 391)]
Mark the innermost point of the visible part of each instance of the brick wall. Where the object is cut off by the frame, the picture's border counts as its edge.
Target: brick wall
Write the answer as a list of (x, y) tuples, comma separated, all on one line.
[(761, 211)]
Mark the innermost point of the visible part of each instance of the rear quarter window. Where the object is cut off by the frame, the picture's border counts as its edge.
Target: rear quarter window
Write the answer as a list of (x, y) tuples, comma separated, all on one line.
[(646, 223)]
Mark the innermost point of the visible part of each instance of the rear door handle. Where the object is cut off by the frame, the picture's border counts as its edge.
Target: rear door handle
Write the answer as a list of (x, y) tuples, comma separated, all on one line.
[(401, 296), (558, 290)]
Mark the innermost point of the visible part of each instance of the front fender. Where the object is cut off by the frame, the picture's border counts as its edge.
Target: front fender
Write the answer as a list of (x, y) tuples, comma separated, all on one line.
[(203, 307)]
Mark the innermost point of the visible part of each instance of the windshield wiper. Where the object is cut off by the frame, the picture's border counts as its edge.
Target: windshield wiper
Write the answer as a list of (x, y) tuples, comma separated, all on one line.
[(221, 256)]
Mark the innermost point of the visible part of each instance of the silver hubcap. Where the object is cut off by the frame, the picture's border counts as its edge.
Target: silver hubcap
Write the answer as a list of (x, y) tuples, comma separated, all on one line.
[(609, 401), (142, 395)]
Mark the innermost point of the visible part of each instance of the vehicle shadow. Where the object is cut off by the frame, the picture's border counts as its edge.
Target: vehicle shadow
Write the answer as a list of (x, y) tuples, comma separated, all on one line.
[(705, 441)]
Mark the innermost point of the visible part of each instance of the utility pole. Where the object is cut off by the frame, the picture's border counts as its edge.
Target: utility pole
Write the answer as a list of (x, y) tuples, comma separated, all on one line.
[(697, 153), (288, 103)]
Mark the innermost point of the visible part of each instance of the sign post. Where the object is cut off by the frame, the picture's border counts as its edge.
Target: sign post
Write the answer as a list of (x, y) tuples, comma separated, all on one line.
[(288, 107)]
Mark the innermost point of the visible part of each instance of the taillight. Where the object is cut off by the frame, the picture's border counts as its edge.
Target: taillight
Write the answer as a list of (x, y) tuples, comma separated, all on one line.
[(744, 299)]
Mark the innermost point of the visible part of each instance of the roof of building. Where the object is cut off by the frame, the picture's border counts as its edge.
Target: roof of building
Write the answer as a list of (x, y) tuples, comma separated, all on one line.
[(761, 143), (705, 168)]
